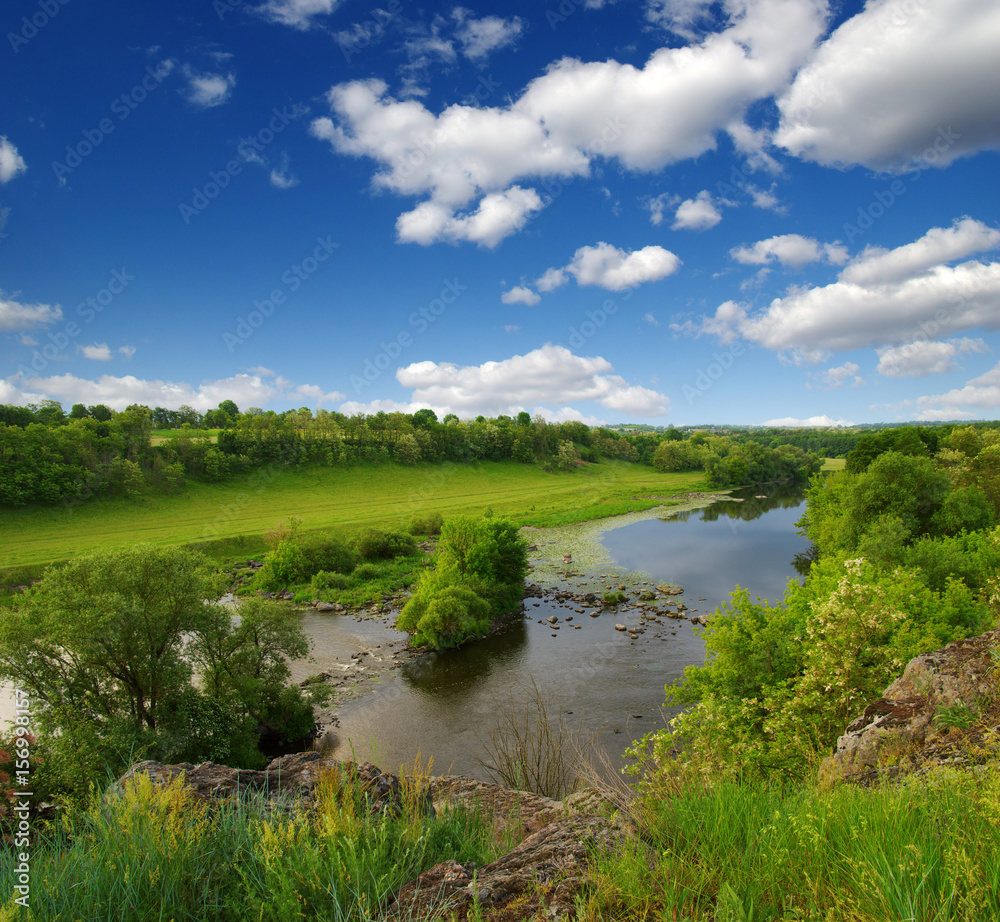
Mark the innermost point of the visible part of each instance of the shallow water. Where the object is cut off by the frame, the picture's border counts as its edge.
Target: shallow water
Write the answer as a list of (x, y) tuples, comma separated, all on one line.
[(605, 684), (444, 705)]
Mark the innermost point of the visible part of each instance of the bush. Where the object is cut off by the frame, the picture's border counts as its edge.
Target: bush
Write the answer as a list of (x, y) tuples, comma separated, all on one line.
[(285, 565), (384, 545), (328, 553), (444, 614), (367, 571), (429, 524), (324, 580)]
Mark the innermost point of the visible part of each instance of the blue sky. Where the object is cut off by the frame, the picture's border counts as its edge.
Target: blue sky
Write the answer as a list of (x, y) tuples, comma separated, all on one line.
[(661, 211)]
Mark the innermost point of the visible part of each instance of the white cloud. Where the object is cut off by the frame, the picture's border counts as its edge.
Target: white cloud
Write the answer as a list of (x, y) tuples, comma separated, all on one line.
[(25, 340), (480, 37), (810, 421), (876, 266), (315, 393), (609, 267), (17, 316), (96, 352), (833, 378), (682, 17), (921, 358), (550, 375), (790, 250), (551, 280), (649, 318), (127, 351), (698, 213), (983, 393), (511, 328), (209, 90), (119, 392), (11, 162), (657, 206), (899, 83), (281, 178), (520, 295), (499, 215), (645, 118), (886, 307), (297, 13)]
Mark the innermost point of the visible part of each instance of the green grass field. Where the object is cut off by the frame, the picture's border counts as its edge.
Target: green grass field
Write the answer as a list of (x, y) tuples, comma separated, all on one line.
[(834, 464), (215, 515), (159, 436)]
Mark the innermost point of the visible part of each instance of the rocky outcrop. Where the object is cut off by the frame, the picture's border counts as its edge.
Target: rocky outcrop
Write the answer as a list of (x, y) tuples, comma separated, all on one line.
[(539, 878), (913, 724), (290, 779)]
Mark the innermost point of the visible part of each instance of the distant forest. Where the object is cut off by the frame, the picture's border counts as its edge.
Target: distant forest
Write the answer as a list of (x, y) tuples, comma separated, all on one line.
[(50, 456)]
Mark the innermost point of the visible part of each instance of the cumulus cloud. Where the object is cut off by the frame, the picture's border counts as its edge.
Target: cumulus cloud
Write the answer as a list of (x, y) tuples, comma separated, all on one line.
[(551, 375), (877, 266), (520, 295), (480, 37), (209, 90), (96, 352), (670, 109), (881, 298), (17, 316), (921, 358), (298, 14), (834, 378), (791, 250), (809, 421), (612, 268), (899, 83), (657, 205), (119, 392), (982, 393), (499, 215), (698, 213), (11, 162)]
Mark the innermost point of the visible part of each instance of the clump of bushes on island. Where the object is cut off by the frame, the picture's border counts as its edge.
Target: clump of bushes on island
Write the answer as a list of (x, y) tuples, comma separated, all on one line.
[(478, 578)]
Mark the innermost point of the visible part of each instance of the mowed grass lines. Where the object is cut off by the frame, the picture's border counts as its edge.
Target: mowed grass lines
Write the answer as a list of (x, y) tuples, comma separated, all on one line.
[(385, 496)]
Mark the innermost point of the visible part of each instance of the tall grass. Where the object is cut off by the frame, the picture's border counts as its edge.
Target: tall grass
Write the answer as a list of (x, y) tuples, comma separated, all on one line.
[(156, 853), (927, 851)]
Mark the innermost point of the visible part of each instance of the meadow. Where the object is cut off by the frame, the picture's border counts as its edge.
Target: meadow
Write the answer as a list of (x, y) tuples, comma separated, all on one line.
[(227, 519)]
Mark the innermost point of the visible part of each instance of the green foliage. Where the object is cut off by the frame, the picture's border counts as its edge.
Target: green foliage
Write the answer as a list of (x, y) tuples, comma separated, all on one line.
[(780, 683), (481, 565), (108, 645), (676, 455), (737, 850), (326, 552), (323, 581), (285, 565), (367, 571), (156, 852), (428, 524), (443, 614), (373, 544)]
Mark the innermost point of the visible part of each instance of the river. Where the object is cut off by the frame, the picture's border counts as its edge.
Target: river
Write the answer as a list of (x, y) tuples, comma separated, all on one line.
[(608, 686)]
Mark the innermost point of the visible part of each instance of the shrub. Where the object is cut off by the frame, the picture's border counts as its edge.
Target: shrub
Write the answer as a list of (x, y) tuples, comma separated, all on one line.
[(328, 553), (325, 580), (429, 524), (444, 614), (286, 564), (367, 571), (384, 545)]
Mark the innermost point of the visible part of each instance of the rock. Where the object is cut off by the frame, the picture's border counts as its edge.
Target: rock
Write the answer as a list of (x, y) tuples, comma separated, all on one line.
[(286, 594), (620, 627), (290, 778), (552, 619), (902, 720), (542, 875), (325, 606)]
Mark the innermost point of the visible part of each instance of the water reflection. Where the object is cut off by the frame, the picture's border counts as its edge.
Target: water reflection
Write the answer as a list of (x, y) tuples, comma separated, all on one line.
[(746, 504)]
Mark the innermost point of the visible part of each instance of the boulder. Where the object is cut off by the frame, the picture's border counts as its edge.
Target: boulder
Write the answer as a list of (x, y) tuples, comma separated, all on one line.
[(903, 719), (542, 875), (287, 779)]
